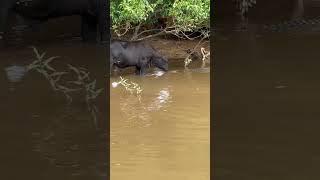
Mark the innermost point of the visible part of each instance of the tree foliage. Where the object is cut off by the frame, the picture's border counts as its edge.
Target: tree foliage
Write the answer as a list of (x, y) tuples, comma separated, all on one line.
[(131, 11), (181, 15), (191, 13)]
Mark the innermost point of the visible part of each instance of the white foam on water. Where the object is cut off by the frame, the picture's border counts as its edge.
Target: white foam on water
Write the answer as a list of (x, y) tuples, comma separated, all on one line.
[(15, 73), (115, 84)]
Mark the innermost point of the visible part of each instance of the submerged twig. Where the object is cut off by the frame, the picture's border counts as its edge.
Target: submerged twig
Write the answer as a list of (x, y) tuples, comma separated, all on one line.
[(129, 86), (205, 55), (83, 80), (188, 60)]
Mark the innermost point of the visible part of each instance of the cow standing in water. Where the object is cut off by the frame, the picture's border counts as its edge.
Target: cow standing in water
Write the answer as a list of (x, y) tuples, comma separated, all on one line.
[(139, 54)]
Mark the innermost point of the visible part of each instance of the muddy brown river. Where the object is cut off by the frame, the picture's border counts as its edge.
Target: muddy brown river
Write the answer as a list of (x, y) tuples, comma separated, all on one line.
[(265, 114), (50, 131), (266, 96), (164, 132)]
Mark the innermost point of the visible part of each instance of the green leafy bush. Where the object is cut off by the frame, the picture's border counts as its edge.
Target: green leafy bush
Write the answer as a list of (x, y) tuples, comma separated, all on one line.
[(132, 11), (191, 13), (184, 14)]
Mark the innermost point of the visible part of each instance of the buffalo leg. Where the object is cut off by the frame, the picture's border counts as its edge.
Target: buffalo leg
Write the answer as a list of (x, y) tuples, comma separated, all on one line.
[(89, 28), (112, 66), (138, 70), (143, 69), (102, 20), (4, 13)]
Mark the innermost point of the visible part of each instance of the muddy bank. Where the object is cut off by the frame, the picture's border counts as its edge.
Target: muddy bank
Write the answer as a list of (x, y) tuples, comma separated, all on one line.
[(176, 49)]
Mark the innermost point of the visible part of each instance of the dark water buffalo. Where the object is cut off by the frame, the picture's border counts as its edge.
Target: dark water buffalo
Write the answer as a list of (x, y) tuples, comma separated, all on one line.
[(139, 54), (93, 13)]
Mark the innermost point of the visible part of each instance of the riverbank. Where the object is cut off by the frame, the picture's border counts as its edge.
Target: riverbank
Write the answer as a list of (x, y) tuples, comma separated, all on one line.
[(175, 48)]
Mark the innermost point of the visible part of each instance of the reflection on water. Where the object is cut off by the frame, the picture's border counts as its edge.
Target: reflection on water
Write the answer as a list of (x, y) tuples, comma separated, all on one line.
[(161, 100), (15, 73), (266, 96), (164, 134), (60, 145), (44, 137)]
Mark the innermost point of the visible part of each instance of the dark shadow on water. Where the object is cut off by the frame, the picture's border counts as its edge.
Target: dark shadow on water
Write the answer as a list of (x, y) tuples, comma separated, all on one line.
[(42, 135), (266, 94)]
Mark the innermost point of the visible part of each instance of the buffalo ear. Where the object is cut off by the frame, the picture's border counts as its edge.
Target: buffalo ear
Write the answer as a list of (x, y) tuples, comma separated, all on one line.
[(124, 44)]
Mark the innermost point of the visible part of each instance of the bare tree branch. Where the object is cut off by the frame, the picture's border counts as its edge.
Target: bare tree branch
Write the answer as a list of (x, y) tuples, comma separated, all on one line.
[(175, 30), (127, 28), (187, 59), (153, 35), (137, 28), (146, 31)]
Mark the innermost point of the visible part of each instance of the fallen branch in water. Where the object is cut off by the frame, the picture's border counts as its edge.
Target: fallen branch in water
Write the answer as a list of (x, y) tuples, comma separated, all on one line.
[(131, 87), (205, 54), (188, 60), (42, 66), (83, 81)]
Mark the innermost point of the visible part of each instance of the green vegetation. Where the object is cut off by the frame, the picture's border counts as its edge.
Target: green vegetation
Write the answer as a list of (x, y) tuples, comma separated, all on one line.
[(146, 18)]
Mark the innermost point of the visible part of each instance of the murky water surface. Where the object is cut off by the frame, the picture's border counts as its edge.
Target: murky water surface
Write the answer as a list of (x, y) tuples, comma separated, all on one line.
[(44, 135), (266, 96), (164, 133)]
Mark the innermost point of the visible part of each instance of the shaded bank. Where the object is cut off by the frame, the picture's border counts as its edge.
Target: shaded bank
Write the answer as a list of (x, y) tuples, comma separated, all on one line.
[(176, 49), (59, 29), (266, 11), (67, 29)]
